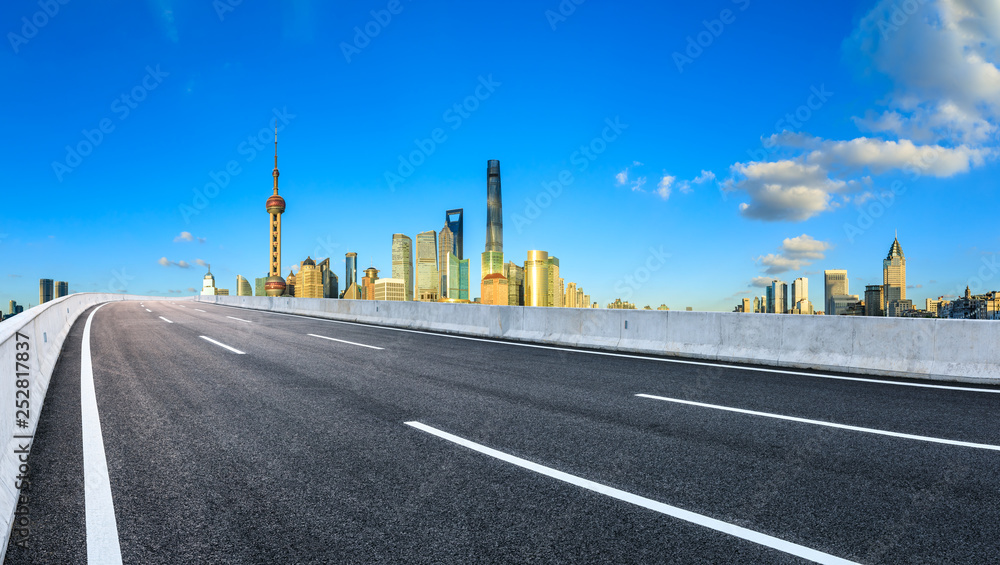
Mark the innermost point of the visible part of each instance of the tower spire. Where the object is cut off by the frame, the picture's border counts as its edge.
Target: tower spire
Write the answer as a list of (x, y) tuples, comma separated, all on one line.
[(275, 156)]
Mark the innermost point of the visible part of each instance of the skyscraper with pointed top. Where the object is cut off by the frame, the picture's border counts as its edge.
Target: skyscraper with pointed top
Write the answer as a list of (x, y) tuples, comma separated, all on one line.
[(275, 285), (893, 276), (492, 259)]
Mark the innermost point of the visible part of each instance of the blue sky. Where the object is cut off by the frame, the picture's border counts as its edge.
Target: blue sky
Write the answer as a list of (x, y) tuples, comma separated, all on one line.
[(703, 167)]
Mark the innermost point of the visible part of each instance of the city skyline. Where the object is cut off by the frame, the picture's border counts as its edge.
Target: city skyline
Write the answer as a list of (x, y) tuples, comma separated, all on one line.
[(663, 178)]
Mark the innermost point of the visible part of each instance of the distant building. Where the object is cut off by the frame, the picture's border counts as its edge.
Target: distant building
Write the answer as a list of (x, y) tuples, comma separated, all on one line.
[(275, 285), (515, 283), (259, 286), (492, 258), (402, 262), (368, 283), (494, 290), (536, 279), (309, 280), (455, 226), (390, 289), (874, 300), (898, 308), (463, 279), (45, 290), (972, 307), (746, 306), (800, 290), (290, 281), (208, 287), (331, 284), (756, 305), (61, 289), (664, 308), (446, 249), (352, 292), (427, 267), (12, 307), (836, 284), (553, 297), (350, 269), (243, 286), (841, 303), (618, 304), (894, 278), (570, 301), (779, 292)]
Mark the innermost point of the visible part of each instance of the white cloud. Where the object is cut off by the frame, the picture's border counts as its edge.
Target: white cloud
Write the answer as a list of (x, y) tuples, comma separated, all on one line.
[(663, 188), (183, 264), (184, 236), (638, 184), (762, 282), (784, 190), (704, 177), (622, 177), (200, 262), (794, 254), (164, 261)]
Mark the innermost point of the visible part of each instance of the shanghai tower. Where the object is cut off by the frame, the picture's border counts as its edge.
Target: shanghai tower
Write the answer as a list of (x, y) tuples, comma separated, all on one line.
[(493, 256)]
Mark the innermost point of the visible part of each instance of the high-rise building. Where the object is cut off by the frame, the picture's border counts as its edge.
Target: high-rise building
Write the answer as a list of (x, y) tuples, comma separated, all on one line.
[(329, 278), (836, 285), (275, 285), (350, 269), (842, 303), (309, 280), (446, 250), (492, 259), (402, 262), (756, 304), (747, 306), (779, 290), (800, 290), (536, 279), (427, 267), (243, 286), (494, 290), (390, 289), (368, 283), (455, 225), (290, 284), (11, 307), (769, 298), (570, 295), (463, 279), (515, 283), (45, 290), (581, 299), (259, 286), (61, 289), (894, 277), (553, 298), (874, 300), (208, 287)]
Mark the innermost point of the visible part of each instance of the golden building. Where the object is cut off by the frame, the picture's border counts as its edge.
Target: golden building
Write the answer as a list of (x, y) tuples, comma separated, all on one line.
[(368, 283), (536, 279), (894, 276), (243, 286), (309, 281), (352, 292), (289, 284), (390, 289), (494, 290)]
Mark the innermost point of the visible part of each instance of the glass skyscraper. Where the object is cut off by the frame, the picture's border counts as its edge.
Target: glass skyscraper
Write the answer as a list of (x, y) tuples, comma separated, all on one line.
[(455, 225), (427, 267), (402, 262), (45, 290), (494, 207)]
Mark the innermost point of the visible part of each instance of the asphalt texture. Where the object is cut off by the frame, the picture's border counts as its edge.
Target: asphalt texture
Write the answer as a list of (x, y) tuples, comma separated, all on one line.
[(298, 452)]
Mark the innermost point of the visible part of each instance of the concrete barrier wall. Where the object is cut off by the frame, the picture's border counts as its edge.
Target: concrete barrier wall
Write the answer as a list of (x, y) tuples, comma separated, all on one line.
[(950, 350), (45, 327)]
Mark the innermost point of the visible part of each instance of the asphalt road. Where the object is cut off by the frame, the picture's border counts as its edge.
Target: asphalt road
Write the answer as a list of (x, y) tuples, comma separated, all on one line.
[(302, 449)]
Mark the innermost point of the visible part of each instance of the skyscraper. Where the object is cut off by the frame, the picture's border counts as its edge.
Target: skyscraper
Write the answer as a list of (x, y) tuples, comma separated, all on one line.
[(309, 280), (894, 276), (330, 281), (463, 279), (455, 225), (836, 285), (494, 290), (390, 289), (536, 279), (45, 290), (350, 269), (275, 285), (777, 297), (243, 286), (874, 299), (492, 259), (402, 262), (553, 298), (446, 248), (258, 286), (515, 283), (427, 267), (800, 290), (61, 289), (368, 283), (570, 301)]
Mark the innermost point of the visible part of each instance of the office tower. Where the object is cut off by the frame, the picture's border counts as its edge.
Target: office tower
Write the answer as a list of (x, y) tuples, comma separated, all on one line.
[(243, 286), (275, 285), (873, 300), (309, 280), (756, 305), (746, 306), (402, 262), (842, 303), (61, 289), (368, 283), (800, 290), (455, 225), (769, 298), (587, 303), (836, 284), (494, 290), (536, 279), (463, 279), (779, 292), (492, 259), (581, 301), (208, 287), (350, 269), (552, 298), (328, 278), (446, 246), (570, 301), (427, 267), (12, 307), (515, 283), (290, 281), (258, 286), (894, 276), (390, 289), (45, 290)]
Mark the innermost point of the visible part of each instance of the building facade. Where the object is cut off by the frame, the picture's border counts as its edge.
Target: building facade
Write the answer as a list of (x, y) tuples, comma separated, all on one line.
[(836, 283), (368, 283), (390, 289), (894, 277), (494, 290), (402, 262), (536, 279), (350, 269), (427, 267), (515, 283), (453, 219), (46, 290), (243, 286)]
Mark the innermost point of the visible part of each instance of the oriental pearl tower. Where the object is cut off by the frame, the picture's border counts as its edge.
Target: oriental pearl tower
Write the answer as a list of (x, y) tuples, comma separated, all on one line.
[(275, 285)]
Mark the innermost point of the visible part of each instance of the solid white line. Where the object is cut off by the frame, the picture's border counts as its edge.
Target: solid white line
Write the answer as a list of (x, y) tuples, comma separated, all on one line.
[(148, 310), (102, 529), (233, 349), (240, 319), (165, 320), (635, 356), (827, 424), (198, 310), (673, 511), (345, 341)]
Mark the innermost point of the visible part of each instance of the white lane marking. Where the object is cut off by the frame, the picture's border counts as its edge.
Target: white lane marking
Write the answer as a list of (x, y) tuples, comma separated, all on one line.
[(148, 310), (198, 310), (102, 529), (240, 319), (182, 306), (673, 511), (165, 320), (634, 356), (827, 424), (345, 341), (233, 349)]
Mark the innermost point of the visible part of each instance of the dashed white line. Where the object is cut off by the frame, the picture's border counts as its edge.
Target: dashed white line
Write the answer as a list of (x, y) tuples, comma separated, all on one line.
[(827, 424), (636, 356), (198, 310), (240, 319), (233, 349), (102, 528), (148, 310), (165, 320), (345, 341), (673, 511)]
